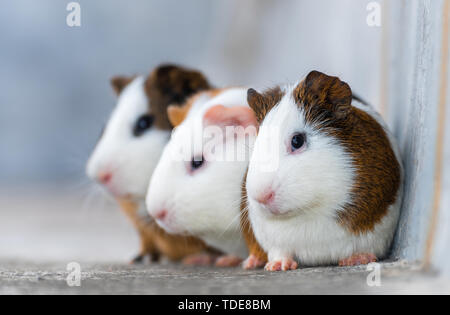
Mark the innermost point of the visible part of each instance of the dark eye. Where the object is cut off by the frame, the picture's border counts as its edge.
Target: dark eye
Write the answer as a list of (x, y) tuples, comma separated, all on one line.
[(298, 141), (144, 123), (196, 163)]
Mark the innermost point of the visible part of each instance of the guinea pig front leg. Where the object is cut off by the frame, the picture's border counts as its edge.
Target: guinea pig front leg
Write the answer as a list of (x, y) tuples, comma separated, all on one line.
[(257, 256), (279, 261), (147, 246), (144, 229)]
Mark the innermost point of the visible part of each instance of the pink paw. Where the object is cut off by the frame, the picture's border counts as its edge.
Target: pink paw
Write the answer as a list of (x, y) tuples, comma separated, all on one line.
[(281, 265), (358, 259), (253, 262), (228, 261), (199, 260)]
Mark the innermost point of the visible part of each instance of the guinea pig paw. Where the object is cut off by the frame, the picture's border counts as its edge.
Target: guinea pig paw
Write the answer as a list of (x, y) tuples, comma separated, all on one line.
[(138, 260), (253, 262), (281, 265), (358, 259), (228, 261), (199, 260)]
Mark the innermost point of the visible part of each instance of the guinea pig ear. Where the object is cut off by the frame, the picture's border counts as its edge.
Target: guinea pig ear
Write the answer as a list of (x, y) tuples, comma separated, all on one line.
[(177, 114), (118, 83), (321, 89), (256, 103), (222, 116), (263, 103)]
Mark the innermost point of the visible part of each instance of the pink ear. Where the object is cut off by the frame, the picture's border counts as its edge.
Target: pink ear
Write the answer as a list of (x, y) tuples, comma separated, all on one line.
[(220, 115)]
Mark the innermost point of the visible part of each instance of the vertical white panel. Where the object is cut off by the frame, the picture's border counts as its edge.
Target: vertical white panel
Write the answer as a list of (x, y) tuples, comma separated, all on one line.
[(440, 239), (441, 253), (413, 106)]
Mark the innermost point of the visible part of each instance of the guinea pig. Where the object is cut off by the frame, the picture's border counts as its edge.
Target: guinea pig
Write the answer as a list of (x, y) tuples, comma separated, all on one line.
[(325, 180), (132, 142), (197, 186)]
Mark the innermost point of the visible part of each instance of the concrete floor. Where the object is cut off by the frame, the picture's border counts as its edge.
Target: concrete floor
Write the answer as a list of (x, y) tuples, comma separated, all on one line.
[(28, 278), (40, 234)]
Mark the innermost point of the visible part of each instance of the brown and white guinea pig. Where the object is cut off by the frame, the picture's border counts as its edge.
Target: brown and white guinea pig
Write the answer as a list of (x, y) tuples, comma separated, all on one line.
[(132, 143), (324, 183), (197, 186)]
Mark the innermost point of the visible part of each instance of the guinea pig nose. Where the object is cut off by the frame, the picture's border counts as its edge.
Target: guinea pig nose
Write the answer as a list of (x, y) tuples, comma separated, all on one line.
[(105, 178), (266, 197), (161, 215)]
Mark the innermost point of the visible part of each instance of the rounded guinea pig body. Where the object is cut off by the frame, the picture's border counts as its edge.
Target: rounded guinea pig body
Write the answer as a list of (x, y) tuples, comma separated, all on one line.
[(324, 183), (196, 187)]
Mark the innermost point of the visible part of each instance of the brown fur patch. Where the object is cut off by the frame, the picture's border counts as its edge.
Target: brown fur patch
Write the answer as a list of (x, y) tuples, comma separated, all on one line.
[(171, 85), (177, 247), (155, 241), (247, 231), (119, 83), (323, 98), (177, 114), (166, 85), (263, 103), (326, 102)]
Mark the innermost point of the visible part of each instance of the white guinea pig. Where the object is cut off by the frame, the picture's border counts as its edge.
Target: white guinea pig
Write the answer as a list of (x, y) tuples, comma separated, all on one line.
[(196, 187), (324, 183), (133, 140)]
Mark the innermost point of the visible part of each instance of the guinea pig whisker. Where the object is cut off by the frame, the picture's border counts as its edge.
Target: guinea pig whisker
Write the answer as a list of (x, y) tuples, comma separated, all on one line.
[(238, 216)]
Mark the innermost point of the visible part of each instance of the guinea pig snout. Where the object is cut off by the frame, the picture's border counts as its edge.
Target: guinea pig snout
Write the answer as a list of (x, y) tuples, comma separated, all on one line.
[(105, 178), (266, 197), (161, 215), (268, 201), (165, 218)]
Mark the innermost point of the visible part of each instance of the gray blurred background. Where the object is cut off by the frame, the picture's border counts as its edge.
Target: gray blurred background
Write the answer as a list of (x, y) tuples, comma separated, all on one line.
[(55, 98), (54, 80)]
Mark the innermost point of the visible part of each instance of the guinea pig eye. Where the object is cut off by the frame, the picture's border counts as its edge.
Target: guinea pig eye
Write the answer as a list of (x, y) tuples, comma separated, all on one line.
[(298, 141), (196, 163), (144, 123)]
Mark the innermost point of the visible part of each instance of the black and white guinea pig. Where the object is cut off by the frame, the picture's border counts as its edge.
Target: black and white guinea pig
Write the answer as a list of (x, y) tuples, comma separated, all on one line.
[(324, 183), (138, 129)]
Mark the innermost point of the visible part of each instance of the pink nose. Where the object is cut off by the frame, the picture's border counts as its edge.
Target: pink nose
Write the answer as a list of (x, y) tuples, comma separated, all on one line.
[(266, 197), (161, 215), (105, 178)]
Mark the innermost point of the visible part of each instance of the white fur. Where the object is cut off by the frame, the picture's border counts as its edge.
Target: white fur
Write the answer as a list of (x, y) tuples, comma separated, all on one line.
[(205, 203), (130, 159), (310, 188)]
